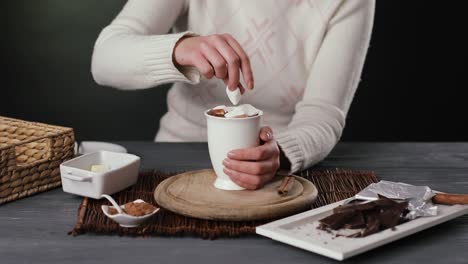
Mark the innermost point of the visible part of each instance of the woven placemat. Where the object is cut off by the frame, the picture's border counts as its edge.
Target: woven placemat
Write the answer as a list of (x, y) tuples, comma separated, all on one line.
[(332, 185)]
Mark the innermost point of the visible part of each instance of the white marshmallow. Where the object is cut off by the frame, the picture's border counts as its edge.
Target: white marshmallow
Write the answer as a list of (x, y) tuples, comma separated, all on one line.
[(234, 96), (219, 107), (244, 109)]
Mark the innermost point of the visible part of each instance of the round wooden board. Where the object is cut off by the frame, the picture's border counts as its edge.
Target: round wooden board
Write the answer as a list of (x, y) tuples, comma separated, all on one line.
[(193, 194)]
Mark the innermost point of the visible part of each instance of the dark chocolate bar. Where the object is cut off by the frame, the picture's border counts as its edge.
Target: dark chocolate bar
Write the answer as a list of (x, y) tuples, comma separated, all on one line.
[(371, 217)]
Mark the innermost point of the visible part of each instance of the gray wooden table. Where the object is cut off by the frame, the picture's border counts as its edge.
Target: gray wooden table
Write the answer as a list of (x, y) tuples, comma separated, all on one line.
[(34, 230)]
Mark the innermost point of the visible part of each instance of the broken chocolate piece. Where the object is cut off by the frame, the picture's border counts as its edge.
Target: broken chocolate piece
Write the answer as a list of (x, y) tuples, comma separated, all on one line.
[(357, 221), (336, 220), (372, 223), (371, 217), (363, 206)]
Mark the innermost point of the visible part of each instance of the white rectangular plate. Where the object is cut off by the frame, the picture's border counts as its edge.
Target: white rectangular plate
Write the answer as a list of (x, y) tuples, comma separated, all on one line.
[(301, 231)]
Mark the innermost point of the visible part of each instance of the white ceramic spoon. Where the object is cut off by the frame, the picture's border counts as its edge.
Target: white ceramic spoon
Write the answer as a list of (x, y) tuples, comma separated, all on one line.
[(123, 219)]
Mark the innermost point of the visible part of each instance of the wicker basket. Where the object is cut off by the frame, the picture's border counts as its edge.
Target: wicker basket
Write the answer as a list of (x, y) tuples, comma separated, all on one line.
[(30, 155)]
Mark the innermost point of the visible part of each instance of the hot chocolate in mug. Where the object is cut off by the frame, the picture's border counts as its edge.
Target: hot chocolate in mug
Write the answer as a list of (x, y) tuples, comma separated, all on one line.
[(226, 134)]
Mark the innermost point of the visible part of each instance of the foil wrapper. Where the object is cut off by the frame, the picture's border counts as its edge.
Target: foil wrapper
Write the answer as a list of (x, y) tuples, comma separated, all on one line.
[(419, 197)]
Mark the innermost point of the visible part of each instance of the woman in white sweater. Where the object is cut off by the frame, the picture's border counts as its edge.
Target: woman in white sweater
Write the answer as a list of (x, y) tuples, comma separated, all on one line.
[(299, 61)]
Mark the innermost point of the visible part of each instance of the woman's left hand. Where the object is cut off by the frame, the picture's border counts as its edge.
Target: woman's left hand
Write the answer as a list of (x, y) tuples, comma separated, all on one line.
[(252, 168)]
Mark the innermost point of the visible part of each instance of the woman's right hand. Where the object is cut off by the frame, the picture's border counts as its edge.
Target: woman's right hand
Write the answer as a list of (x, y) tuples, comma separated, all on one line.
[(216, 55)]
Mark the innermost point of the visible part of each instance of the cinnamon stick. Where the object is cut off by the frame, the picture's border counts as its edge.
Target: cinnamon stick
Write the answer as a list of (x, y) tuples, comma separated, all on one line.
[(286, 185), (449, 199), (80, 218)]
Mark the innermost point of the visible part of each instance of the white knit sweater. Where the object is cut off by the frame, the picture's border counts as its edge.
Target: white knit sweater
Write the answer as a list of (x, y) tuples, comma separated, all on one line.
[(306, 55)]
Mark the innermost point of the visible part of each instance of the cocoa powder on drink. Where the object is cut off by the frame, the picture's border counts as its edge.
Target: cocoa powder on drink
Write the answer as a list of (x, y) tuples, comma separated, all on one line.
[(217, 112)]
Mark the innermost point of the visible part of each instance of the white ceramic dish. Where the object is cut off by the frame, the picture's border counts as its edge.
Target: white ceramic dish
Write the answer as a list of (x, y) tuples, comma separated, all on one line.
[(86, 147), (125, 220), (301, 231), (78, 179)]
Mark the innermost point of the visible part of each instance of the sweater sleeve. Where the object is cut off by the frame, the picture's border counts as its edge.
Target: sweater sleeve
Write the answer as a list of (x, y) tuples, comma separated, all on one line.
[(135, 51), (320, 116)]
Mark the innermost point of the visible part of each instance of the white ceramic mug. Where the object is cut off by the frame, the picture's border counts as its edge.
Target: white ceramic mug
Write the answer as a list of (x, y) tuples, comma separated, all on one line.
[(226, 134)]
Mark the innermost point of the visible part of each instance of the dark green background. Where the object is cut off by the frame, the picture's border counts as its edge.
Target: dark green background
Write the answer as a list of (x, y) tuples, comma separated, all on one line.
[(412, 86)]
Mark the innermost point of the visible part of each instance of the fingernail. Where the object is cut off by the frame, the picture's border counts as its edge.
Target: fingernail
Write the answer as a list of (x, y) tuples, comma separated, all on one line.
[(268, 135), (250, 84), (226, 161), (231, 154)]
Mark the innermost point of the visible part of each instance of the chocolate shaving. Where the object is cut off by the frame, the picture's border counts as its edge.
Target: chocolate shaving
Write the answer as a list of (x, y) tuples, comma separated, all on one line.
[(372, 217), (217, 112)]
